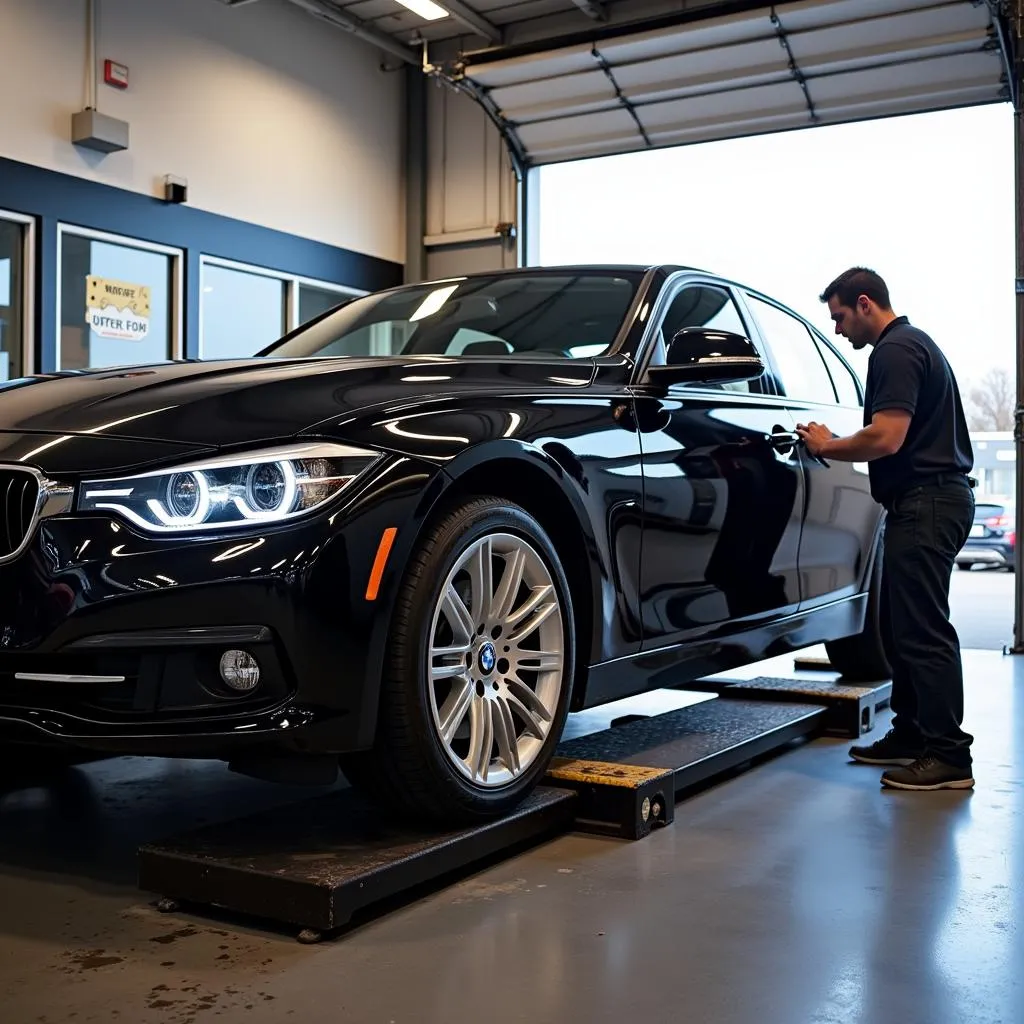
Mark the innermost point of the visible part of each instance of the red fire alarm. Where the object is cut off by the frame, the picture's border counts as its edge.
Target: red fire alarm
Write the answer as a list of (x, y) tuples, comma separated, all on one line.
[(115, 74)]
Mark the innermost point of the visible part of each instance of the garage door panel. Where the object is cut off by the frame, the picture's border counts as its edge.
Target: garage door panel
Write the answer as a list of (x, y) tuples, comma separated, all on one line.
[(910, 78), (533, 68), (707, 130), (760, 60), (815, 14), (842, 61), (872, 43), (765, 101), (569, 93), (610, 124), (558, 151)]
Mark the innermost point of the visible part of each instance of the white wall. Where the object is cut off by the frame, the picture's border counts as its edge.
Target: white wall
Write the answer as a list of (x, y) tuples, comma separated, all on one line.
[(273, 116)]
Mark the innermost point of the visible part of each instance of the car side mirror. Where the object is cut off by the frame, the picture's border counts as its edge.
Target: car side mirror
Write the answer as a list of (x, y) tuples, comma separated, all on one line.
[(700, 355)]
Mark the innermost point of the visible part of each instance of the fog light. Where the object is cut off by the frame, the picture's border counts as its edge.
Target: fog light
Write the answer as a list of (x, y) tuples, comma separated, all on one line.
[(239, 670)]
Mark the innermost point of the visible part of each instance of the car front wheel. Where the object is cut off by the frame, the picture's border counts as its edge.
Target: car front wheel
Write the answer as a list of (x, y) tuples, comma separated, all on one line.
[(478, 670)]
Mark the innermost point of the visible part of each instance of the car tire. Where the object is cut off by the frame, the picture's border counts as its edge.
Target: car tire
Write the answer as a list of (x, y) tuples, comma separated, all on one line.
[(861, 657), (421, 765)]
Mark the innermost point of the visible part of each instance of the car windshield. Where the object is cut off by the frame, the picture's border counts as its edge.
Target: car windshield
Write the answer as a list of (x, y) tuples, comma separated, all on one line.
[(573, 315)]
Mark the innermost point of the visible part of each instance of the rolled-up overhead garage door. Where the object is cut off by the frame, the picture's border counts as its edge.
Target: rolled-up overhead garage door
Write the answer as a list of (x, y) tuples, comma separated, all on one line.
[(696, 78)]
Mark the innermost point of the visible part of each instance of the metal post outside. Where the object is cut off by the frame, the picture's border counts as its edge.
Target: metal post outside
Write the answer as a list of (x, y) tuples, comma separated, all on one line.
[(1018, 434)]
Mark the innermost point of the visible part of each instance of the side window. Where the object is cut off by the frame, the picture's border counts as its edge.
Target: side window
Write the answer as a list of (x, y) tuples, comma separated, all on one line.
[(801, 369), (701, 306), (843, 377)]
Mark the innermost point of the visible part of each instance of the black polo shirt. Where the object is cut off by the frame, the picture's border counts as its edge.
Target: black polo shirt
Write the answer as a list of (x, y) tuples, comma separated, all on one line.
[(908, 371)]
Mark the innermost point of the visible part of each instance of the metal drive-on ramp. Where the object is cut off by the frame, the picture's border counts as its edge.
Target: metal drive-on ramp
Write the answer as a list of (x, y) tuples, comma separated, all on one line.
[(313, 866)]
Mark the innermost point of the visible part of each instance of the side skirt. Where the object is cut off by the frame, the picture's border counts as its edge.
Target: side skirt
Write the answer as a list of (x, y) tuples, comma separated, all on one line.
[(682, 663)]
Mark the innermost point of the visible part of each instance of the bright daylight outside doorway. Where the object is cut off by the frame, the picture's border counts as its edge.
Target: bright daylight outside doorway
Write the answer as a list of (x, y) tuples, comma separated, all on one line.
[(926, 200)]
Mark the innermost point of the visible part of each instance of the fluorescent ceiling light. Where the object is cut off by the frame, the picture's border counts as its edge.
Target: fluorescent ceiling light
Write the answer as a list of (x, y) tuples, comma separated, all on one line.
[(426, 9)]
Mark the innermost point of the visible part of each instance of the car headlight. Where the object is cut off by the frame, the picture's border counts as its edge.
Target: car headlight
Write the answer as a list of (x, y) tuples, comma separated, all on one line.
[(268, 486)]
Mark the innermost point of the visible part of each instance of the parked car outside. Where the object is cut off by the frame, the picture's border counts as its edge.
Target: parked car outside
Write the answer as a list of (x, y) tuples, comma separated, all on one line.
[(993, 537), (416, 532)]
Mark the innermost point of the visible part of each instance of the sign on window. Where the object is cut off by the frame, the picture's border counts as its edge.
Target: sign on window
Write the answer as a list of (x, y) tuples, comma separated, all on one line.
[(117, 309)]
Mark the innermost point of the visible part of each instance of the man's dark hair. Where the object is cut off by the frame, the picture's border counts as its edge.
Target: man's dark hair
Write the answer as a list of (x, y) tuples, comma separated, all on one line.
[(857, 281)]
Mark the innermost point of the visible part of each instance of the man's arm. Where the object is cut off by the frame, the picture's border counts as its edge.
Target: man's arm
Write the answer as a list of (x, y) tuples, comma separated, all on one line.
[(883, 436), (898, 369)]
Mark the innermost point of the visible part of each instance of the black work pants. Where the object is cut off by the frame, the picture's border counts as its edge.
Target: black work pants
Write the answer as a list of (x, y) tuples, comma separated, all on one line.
[(925, 528)]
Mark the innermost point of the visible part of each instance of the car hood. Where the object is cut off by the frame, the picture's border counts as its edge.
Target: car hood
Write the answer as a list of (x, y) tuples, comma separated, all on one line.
[(224, 403)]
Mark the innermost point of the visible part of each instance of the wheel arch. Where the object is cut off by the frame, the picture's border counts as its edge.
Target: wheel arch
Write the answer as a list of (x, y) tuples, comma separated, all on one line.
[(534, 480)]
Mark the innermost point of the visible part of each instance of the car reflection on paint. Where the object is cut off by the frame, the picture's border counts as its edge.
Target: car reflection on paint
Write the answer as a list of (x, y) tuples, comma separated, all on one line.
[(415, 533)]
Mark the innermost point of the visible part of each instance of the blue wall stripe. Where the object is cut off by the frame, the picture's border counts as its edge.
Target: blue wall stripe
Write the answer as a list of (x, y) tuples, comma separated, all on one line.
[(53, 197)]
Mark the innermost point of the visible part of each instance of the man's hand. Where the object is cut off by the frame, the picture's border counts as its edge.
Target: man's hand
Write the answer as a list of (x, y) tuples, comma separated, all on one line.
[(815, 436), (883, 436)]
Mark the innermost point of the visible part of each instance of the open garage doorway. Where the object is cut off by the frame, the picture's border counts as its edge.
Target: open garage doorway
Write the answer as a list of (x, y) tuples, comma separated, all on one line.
[(927, 200)]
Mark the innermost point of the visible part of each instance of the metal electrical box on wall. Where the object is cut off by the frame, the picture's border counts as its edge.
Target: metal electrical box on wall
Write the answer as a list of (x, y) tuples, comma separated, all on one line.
[(93, 130)]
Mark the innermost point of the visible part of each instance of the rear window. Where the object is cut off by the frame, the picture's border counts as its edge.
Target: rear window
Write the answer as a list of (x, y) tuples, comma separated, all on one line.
[(987, 510)]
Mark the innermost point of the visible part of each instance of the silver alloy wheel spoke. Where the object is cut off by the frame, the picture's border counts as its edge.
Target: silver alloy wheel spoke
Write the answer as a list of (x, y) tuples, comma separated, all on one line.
[(540, 661), (455, 707), (530, 710), (496, 659), (505, 733), (483, 587), (453, 661), (533, 623), (511, 581), (458, 616), (482, 738)]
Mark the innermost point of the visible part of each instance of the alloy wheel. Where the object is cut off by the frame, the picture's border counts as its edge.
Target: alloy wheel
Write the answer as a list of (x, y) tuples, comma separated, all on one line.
[(496, 660)]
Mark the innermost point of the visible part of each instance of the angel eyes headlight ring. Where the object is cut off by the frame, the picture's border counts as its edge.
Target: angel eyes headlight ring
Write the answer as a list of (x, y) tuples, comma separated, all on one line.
[(269, 486)]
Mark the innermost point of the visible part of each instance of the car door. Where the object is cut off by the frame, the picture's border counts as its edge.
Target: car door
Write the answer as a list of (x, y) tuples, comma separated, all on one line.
[(840, 516), (723, 487)]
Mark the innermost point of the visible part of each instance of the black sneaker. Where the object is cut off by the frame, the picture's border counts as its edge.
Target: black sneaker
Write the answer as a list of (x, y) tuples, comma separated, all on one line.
[(928, 773), (887, 750)]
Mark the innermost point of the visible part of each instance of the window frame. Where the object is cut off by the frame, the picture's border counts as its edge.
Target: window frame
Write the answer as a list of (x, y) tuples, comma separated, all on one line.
[(175, 301), (292, 283), (812, 339), (28, 287), (822, 341)]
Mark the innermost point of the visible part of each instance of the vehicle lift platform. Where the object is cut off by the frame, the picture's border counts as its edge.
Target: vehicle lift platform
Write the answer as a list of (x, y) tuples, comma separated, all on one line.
[(312, 866)]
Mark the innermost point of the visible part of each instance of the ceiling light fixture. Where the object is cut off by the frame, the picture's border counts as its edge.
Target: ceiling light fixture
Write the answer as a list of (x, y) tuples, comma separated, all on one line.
[(426, 9)]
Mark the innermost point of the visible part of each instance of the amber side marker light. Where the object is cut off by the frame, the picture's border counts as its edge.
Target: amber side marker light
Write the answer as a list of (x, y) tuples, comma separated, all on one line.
[(383, 550)]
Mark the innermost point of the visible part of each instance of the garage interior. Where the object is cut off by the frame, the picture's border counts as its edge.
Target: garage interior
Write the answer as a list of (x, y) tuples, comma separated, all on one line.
[(785, 886)]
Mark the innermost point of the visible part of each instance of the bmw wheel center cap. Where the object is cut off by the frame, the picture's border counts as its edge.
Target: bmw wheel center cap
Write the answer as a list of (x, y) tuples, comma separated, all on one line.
[(487, 658)]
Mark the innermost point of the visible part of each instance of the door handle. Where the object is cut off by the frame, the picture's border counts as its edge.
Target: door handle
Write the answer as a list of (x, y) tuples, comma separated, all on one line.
[(780, 438)]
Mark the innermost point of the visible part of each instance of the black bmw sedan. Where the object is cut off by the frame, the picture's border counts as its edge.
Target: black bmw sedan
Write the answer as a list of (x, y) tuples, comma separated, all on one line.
[(416, 532)]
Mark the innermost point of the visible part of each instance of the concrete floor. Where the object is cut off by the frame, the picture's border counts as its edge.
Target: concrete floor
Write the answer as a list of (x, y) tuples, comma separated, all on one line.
[(799, 893)]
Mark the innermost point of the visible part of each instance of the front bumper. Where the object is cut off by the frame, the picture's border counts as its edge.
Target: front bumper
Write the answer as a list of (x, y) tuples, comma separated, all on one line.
[(111, 638)]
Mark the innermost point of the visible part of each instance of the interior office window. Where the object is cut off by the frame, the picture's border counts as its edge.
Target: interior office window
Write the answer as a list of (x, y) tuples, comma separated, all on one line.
[(115, 304), (313, 301), (703, 306), (242, 312), (802, 372), (12, 291), (842, 376)]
